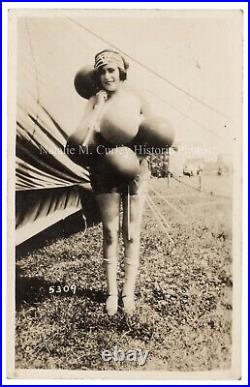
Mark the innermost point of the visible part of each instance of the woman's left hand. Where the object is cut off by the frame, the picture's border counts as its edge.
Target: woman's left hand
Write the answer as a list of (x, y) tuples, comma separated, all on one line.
[(101, 97)]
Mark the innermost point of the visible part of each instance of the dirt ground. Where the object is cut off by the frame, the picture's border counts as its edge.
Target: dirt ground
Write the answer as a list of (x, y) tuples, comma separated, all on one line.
[(184, 290)]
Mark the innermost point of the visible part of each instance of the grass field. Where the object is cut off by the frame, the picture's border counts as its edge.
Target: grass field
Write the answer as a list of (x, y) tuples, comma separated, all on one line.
[(184, 306)]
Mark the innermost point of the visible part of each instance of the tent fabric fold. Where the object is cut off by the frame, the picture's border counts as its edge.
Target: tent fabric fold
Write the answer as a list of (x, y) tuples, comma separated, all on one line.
[(39, 209)]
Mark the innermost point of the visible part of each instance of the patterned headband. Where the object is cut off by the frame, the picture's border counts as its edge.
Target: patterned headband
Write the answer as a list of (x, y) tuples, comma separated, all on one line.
[(108, 57)]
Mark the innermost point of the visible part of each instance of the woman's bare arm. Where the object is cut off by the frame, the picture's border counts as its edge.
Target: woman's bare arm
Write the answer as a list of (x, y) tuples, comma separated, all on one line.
[(79, 135), (86, 126)]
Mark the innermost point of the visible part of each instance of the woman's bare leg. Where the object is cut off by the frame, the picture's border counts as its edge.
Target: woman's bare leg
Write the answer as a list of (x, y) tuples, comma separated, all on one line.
[(109, 206), (132, 244)]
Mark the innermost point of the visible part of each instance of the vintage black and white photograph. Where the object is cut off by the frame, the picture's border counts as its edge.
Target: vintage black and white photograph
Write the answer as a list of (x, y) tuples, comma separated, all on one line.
[(126, 141)]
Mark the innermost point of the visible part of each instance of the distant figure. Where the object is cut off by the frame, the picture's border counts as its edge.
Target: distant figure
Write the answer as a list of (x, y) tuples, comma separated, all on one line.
[(219, 172), (186, 172)]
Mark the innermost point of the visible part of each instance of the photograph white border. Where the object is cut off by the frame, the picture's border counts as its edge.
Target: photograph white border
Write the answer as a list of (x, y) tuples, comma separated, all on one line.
[(97, 5)]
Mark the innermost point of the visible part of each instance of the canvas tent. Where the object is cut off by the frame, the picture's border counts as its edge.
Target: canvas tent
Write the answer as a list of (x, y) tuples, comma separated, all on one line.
[(48, 183)]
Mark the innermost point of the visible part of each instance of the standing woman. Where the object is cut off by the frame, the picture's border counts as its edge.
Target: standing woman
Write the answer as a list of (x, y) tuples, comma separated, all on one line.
[(121, 111)]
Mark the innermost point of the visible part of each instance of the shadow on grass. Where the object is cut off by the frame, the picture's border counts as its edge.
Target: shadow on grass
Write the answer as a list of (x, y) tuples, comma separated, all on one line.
[(97, 296), (30, 290), (33, 290)]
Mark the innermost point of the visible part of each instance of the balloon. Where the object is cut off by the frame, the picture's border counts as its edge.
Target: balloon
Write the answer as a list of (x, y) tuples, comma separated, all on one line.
[(155, 132), (85, 82), (123, 162), (84, 155), (120, 120)]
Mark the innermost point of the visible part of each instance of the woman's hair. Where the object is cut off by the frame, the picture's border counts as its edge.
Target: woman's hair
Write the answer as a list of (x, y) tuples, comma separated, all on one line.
[(111, 57)]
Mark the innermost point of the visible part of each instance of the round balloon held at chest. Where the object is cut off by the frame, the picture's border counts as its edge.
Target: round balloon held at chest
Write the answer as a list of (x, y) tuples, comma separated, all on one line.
[(120, 121)]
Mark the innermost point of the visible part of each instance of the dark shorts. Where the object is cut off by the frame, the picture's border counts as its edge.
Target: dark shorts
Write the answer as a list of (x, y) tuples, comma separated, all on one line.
[(103, 183)]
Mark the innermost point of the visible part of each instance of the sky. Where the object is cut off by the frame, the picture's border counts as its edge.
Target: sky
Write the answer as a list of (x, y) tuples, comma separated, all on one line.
[(187, 63)]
